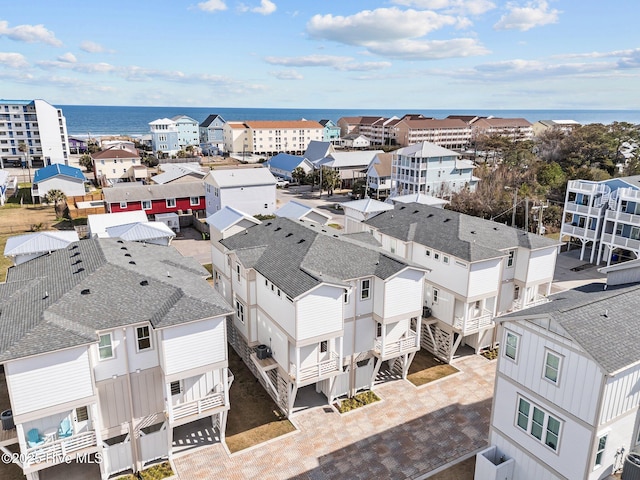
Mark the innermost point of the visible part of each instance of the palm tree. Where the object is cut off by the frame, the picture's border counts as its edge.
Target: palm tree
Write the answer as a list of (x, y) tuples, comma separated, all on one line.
[(330, 180), (22, 146), (298, 174), (59, 200)]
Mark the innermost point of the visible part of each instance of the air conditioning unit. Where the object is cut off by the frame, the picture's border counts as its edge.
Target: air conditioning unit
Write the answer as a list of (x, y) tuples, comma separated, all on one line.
[(263, 352)]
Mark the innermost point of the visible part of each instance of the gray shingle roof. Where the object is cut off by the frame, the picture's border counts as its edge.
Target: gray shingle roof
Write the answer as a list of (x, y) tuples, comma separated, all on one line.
[(138, 193), (603, 322), (297, 256), (463, 236), (43, 307)]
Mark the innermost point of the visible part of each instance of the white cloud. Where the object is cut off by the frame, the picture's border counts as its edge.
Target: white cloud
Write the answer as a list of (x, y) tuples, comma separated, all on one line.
[(533, 14), (380, 25), (68, 57), (212, 6), (266, 8), (337, 63), (13, 60), (461, 7), (29, 34), (91, 47), (287, 75), (429, 49)]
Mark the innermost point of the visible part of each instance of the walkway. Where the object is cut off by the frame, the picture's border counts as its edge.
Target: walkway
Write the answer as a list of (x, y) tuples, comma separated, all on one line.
[(410, 433)]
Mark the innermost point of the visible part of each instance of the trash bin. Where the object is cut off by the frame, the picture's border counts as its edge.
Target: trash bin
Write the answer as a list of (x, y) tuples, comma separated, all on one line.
[(7, 420)]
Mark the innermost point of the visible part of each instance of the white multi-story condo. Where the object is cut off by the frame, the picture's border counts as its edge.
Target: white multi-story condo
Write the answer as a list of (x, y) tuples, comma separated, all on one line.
[(478, 269), (447, 133), (314, 308), (271, 137), (428, 168), (32, 132), (566, 395), (604, 218), (107, 347)]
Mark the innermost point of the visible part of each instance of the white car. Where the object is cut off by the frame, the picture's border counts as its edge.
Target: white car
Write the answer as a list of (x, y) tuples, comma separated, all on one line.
[(282, 183)]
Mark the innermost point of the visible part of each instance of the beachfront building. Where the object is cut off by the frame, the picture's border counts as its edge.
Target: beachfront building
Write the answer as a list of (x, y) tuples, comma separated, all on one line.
[(362, 124), (314, 309), (116, 165), (108, 347), (331, 132), (478, 269), (164, 137), (251, 190), (516, 129), (32, 133), (565, 404), (188, 131), (428, 168), (565, 126), (447, 133), (212, 134)]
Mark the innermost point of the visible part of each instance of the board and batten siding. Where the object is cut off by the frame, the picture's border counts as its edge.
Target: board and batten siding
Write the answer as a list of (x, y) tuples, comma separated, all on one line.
[(361, 331), (484, 278), (270, 334), (319, 312), (621, 394), (193, 345), (453, 275), (276, 306), (403, 294), (147, 391), (47, 380), (541, 265), (577, 390), (113, 398)]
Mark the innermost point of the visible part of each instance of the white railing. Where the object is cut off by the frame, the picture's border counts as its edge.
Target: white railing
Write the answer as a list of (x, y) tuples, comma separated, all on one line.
[(584, 187), (196, 407), (321, 369), (574, 231), (573, 207), (404, 345), (620, 241), (628, 194), (622, 217), (537, 300), (473, 324), (57, 451)]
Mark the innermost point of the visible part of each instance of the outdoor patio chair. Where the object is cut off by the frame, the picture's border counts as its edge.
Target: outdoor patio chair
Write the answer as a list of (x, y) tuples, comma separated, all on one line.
[(34, 438), (65, 429)]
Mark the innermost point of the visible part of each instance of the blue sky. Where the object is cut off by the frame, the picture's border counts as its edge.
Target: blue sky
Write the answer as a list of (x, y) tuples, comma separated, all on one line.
[(395, 54)]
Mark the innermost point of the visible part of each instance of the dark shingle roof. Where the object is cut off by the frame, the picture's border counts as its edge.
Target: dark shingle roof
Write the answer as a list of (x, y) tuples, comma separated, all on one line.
[(463, 236), (297, 256), (603, 322), (59, 300)]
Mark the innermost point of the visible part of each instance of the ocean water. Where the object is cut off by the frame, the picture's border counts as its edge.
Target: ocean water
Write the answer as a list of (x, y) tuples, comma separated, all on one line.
[(83, 120)]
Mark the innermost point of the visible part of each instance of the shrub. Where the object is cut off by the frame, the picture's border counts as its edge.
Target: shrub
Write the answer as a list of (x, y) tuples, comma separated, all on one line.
[(360, 400)]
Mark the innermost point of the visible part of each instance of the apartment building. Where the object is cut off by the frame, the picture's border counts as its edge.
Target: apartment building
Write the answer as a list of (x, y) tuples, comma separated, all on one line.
[(516, 129), (314, 308), (36, 126), (448, 133), (268, 138), (108, 346)]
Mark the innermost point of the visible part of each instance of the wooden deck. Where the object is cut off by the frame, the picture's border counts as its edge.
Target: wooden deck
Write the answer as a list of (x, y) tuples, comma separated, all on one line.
[(265, 364), (8, 437)]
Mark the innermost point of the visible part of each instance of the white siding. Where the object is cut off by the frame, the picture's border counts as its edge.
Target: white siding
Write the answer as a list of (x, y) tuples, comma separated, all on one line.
[(271, 335), (199, 386), (453, 275), (522, 264), (444, 309), (251, 200), (276, 306), (319, 312), (621, 394), (579, 377), (194, 345), (541, 265), (484, 278), (104, 369), (48, 380), (68, 186), (363, 331), (403, 293)]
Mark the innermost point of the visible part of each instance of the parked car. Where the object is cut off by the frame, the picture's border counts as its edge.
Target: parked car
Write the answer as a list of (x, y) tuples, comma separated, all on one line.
[(282, 183)]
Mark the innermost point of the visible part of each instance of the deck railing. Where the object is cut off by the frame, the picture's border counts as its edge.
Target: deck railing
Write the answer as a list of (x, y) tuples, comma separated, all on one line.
[(537, 300), (58, 451), (473, 324), (404, 345), (196, 407), (318, 370)]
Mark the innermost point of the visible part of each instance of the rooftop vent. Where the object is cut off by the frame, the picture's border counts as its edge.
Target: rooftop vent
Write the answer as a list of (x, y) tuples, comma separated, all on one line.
[(123, 248), (430, 215), (446, 220), (416, 211), (46, 295), (75, 254), (74, 247), (127, 254), (402, 207), (79, 270), (302, 240), (473, 232), (120, 241), (77, 261), (267, 224), (144, 283), (495, 228), (335, 235), (278, 229), (288, 235), (86, 291)]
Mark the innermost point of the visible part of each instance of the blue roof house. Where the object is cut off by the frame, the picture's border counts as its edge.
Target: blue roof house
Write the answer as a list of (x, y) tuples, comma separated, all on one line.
[(70, 180), (283, 164)]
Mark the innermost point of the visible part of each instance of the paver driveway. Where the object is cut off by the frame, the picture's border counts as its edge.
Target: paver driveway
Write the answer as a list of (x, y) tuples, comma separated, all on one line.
[(410, 433)]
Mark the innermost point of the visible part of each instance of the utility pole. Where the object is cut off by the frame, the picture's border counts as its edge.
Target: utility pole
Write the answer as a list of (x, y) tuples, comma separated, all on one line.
[(515, 203), (526, 214)]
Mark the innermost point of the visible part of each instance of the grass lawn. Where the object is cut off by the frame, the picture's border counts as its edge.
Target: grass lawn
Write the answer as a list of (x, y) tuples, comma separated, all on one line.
[(254, 417), (156, 472), (426, 368)]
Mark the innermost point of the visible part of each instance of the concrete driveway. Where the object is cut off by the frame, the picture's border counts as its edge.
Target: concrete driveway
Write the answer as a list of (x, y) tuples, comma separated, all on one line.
[(189, 243), (304, 195)]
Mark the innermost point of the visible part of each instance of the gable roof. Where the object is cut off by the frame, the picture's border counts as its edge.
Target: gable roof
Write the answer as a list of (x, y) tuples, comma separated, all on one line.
[(210, 119), (138, 193), (299, 211), (176, 171), (382, 164), (285, 161), (358, 159), (463, 236), (57, 169), (240, 177), (227, 217), (39, 242), (601, 321), (60, 300), (115, 152), (298, 256), (140, 231), (317, 150), (99, 222), (266, 124), (368, 205), (425, 150)]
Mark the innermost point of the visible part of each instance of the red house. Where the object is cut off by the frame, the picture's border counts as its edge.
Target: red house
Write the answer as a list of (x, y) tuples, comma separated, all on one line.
[(153, 199)]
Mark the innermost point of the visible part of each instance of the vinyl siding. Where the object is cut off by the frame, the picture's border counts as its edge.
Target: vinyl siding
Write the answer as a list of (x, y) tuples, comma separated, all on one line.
[(403, 293), (319, 312), (484, 278), (541, 265)]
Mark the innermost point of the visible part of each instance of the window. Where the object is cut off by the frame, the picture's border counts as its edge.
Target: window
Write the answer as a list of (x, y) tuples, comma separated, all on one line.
[(511, 347), (436, 256), (176, 388), (436, 293), (364, 289), (324, 346), (602, 443), (123, 205), (445, 260), (378, 330), (538, 423), (82, 414), (427, 253), (510, 258), (144, 338), (551, 367), (240, 311), (193, 201), (171, 203), (345, 297), (105, 347), (238, 273), (635, 233), (146, 204)]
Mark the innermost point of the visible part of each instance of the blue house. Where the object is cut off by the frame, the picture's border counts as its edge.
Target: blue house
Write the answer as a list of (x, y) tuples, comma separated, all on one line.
[(331, 132), (70, 180), (283, 164), (211, 134)]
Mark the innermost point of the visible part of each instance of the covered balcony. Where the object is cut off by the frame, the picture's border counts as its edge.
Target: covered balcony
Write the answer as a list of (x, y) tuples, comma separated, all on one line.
[(520, 304), (479, 320), (316, 372), (385, 348)]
